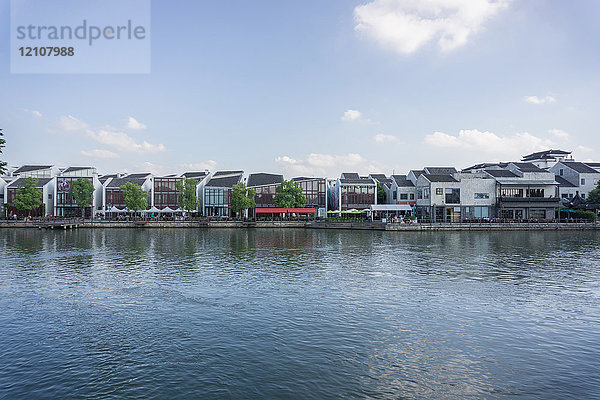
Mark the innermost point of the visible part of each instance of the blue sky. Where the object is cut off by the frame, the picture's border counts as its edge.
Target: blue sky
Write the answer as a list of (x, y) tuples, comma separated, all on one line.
[(317, 88)]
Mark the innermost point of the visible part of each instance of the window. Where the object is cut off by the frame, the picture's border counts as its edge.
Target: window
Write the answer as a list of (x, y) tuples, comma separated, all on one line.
[(419, 194), (426, 193), (481, 212), (482, 195), (582, 181), (452, 196), (535, 192), (395, 195), (583, 196), (412, 196), (439, 191), (403, 196), (512, 193), (561, 171)]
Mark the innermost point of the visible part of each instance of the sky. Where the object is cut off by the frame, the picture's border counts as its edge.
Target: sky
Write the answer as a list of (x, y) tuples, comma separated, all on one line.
[(321, 87)]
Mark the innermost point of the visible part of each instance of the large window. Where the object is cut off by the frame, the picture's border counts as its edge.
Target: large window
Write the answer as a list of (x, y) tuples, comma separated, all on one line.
[(403, 196), (452, 196), (358, 196), (482, 195), (481, 212), (506, 192), (535, 192)]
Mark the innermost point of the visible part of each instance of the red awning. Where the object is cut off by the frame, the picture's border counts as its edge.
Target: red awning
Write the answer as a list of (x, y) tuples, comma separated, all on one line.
[(308, 210)]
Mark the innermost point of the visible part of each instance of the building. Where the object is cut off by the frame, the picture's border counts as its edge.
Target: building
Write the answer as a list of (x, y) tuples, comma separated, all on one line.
[(64, 204), (36, 171), (356, 192), (265, 185), (113, 200), (165, 193), (548, 158), (386, 185), (477, 196), (315, 191), (200, 177), (525, 191), (216, 193), (46, 185), (583, 178), (403, 190), (438, 198)]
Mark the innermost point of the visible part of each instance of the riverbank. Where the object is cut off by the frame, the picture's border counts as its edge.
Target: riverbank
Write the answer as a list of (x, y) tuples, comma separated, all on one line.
[(375, 226)]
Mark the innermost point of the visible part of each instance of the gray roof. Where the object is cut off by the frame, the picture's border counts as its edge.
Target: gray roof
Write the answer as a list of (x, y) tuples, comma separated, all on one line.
[(528, 167), (104, 178), (305, 178), (357, 181), (580, 167), (73, 169), (21, 182), (546, 154), (118, 182), (381, 178), (402, 181), (440, 170), (261, 179), (417, 172), (563, 182), (439, 178), (350, 175), (142, 175), (195, 175), (225, 179), (29, 168), (221, 173), (501, 173)]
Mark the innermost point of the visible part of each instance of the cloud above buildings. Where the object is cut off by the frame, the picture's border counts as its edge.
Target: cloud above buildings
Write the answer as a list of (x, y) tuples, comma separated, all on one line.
[(111, 137), (405, 26), (99, 153), (383, 138), (351, 115), (200, 166), (34, 113), (539, 100), (330, 165)]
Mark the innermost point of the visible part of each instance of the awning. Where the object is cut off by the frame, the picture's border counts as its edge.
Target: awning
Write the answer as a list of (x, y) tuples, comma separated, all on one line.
[(390, 207), (268, 210)]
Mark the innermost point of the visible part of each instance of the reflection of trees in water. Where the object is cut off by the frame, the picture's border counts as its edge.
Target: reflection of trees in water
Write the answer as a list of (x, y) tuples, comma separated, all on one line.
[(27, 241)]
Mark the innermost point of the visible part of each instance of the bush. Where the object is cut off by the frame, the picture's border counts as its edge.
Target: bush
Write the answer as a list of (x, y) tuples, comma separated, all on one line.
[(586, 215)]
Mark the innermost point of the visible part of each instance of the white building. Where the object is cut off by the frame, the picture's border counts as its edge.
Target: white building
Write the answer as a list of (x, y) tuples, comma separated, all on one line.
[(548, 158), (583, 178), (64, 205)]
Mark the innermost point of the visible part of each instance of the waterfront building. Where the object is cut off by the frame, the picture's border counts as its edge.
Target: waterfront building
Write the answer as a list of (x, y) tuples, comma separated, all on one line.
[(265, 186), (386, 185), (356, 192), (548, 158), (414, 174), (438, 198), (199, 176), (315, 191), (46, 185), (165, 193), (403, 190), (477, 195), (64, 205), (583, 178), (216, 193), (113, 200), (36, 171)]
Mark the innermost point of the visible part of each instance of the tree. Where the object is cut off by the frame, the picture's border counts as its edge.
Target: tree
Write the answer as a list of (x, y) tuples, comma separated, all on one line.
[(2, 163), (381, 194), (242, 198), (290, 195), (136, 198), (28, 197), (594, 195), (188, 200), (82, 192)]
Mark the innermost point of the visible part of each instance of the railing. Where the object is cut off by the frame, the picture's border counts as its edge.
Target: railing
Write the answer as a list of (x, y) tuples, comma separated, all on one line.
[(530, 199)]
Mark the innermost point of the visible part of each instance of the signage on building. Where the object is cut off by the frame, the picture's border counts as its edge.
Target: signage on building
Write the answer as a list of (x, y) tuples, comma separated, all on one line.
[(64, 185)]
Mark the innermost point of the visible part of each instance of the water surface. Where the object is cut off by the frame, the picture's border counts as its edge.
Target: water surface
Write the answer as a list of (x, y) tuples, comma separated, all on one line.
[(284, 313)]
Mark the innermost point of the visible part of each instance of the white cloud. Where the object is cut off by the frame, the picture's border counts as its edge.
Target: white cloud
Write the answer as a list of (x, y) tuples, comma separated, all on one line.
[(98, 153), (539, 100), (109, 136), (487, 142), (35, 113), (351, 115), (560, 134), (407, 25), (382, 138), (200, 166), (134, 124), (584, 149), (69, 123), (318, 164)]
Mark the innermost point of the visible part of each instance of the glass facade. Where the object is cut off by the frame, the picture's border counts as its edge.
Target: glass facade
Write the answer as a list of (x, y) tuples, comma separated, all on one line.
[(216, 202), (65, 204)]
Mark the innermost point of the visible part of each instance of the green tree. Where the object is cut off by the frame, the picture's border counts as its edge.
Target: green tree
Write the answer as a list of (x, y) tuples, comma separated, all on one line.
[(381, 194), (28, 196), (188, 200), (2, 163), (83, 194), (242, 198), (290, 195), (594, 195), (136, 198)]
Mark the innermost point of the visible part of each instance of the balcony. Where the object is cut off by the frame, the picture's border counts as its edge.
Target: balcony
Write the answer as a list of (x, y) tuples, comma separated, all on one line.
[(549, 201)]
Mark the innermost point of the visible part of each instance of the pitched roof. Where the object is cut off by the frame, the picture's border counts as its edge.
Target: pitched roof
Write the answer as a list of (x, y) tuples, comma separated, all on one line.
[(546, 154), (440, 170), (195, 175), (142, 175), (261, 179), (439, 178), (118, 182), (580, 167), (305, 178), (225, 179), (381, 178), (563, 182), (104, 178), (357, 181), (402, 181), (527, 167), (21, 182), (350, 175), (29, 168), (73, 169), (501, 173), (417, 172)]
